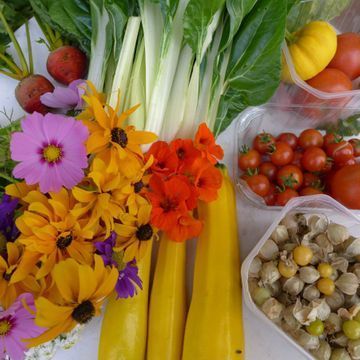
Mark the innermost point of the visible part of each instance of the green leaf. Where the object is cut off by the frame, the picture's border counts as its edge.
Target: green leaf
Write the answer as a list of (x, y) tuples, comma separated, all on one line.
[(198, 17), (304, 12), (253, 73), (346, 127), (237, 10)]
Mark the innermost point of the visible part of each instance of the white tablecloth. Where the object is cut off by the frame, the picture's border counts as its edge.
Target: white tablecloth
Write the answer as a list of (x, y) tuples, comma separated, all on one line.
[(261, 342)]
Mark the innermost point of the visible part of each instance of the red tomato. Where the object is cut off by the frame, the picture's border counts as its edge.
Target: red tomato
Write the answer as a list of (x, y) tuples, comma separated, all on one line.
[(290, 176), (314, 159), (297, 158), (311, 179), (331, 80), (289, 138), (355, 143), (310, 137), (310, 191), (347, 56), (269, 170), (350, 161), (331, 139), (345, 186), (284, 196), (270, 197), (281, 154), (340, 152), (249, 159), (263, 142), (259, 184)]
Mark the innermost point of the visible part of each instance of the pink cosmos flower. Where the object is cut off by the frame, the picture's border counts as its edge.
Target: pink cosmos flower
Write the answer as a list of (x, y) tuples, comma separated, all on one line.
[(65, 97), (16, 324), (51, 150)]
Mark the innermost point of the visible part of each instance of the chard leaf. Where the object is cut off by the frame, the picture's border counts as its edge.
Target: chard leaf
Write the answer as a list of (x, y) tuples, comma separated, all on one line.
[(304, 12), (253, 72), (200, 21), (237, 10)]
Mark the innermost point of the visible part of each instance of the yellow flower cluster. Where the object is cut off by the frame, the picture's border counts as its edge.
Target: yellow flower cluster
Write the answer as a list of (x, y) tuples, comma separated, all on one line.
[(54, 256)]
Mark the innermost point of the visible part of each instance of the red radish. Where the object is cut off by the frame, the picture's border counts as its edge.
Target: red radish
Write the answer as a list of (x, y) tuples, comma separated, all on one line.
[(29, 90), (67, 64)]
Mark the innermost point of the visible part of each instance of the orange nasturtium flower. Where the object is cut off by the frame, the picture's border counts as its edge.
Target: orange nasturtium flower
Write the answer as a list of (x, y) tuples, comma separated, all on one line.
[(205, 142), (82, 290), (50, 232), (117, 146)]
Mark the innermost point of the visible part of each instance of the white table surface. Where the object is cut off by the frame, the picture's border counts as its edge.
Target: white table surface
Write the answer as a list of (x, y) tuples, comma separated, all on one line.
[(261, 342)]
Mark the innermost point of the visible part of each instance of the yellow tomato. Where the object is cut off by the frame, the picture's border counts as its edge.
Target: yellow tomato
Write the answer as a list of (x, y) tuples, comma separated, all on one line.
[(311, 49)]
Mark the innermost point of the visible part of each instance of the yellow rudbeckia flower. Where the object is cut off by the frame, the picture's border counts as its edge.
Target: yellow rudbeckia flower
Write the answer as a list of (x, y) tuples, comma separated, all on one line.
[(135, 234), (116, 145), (50, 232), (82, 290)]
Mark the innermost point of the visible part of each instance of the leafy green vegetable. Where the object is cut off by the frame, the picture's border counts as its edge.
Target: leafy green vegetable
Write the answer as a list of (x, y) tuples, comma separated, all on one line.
[(253, 73), (306, 11), (346, 127)]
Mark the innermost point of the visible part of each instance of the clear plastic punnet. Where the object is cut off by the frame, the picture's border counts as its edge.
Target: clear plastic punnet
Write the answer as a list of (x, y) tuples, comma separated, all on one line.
[(276, 119), (316, 204), (301, 93)]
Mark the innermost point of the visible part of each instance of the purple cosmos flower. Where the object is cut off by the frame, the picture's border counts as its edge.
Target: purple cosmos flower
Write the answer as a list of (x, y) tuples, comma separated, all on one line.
[(7, 223), (128, 275), (51, 150), (66, 97), (16, 324)]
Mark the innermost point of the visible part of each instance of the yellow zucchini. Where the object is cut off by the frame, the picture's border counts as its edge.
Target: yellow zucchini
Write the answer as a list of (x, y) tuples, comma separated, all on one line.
[(167, 312), (124, 328), (214, 329)]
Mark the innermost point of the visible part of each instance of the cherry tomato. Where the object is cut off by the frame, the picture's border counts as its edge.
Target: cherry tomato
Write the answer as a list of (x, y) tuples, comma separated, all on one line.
[(281, 154), (340, 152), (331, 139), (290, 176), (331, 80), (289, 138), (284, 196), (347, 56), (310, 137), (259, 184), (345, 186), (270, 197), (297, 158), (269, 170), (311, 179), (249, 159), (355, 143), (314, 159), (310, 191), (263, 142)]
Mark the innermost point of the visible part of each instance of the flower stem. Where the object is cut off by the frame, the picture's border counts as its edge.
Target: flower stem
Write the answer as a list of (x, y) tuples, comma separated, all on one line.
[(28, 40), (24, 66), (11, 64)]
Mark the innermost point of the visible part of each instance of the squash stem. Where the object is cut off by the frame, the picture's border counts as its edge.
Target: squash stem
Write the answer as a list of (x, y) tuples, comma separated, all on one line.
[(24, 66)]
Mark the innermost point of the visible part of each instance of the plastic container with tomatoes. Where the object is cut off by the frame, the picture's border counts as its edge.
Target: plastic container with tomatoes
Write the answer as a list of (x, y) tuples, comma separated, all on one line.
[(310, 155), (338, 84)]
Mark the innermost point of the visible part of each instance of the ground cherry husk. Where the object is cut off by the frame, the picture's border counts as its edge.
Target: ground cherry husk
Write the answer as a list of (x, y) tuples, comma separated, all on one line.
[(326, 286), (325, 270), (302, 255)]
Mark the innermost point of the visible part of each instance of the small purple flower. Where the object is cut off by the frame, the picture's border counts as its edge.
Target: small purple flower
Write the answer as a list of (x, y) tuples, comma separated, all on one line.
[(105, 249), (7, 212), (66, 98), (128, 275)]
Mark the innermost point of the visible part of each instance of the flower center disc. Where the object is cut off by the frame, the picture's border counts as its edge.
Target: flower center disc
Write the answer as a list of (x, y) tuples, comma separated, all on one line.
[(119, 136), (52, 153), (138, 186), (64, 241), (5, 327), (83, 312), (144, 232)]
